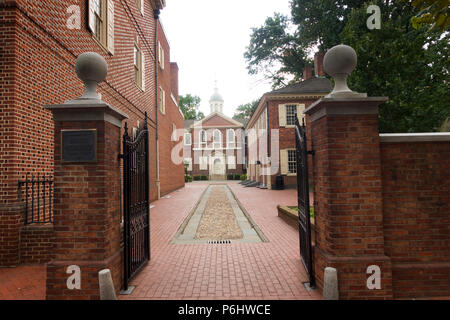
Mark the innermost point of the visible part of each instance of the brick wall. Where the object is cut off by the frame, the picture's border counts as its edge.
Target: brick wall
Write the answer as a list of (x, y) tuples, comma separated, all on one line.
[(36, 243), (416, 216), (171, 174), (11, 219), (37, 68)]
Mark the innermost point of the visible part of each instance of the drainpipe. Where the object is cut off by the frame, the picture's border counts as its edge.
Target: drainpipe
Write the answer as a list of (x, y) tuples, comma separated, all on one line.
[(269, 176), (158, 185)]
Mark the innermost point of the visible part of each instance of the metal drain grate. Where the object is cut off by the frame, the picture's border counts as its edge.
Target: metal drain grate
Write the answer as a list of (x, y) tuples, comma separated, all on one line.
[(219, 241)]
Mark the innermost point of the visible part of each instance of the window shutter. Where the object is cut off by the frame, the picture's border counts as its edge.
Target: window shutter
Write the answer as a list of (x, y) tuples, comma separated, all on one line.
[(142, 7), (91, 16), (143, 70), (110, 31), (300, 114), (282, 115), (284, 161)]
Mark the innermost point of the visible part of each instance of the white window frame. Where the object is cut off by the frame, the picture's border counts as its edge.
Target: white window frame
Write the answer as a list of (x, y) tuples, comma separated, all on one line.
[(217, 144), (295, 107), (201, 143), (187, 134), (160, 55), (162, 100), (231, 144), (291, 153)]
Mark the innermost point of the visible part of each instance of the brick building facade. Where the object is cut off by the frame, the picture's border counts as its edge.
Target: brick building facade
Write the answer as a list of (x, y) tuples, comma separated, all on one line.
[(39, 43), (214, 146), (275, 115)]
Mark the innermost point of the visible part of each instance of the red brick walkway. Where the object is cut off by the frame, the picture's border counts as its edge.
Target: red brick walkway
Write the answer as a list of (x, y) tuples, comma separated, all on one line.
[(270, 270), (235, 271), (22, 283)]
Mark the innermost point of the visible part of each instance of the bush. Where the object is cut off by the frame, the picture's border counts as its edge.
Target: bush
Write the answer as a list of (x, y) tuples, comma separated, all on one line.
[(237, 177), (187, 178), (196, 178), (243, 177), (230, 176), (203, 177)]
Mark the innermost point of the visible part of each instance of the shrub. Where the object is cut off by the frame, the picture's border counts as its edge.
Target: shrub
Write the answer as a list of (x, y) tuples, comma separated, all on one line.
[(187, 178), (237, 177), (196, 178), (230, 176), (243, 177), (203, 177)]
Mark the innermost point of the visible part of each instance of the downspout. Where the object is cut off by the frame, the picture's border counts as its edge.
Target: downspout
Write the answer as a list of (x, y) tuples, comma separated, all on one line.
[(269, 176), (156, 13)]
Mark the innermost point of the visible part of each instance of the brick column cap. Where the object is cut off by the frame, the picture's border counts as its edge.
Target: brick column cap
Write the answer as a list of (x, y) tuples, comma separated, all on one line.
[(344, 106), (87, 110)]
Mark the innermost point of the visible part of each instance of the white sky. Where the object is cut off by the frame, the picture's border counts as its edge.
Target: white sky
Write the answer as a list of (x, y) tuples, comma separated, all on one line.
[(208, 39)]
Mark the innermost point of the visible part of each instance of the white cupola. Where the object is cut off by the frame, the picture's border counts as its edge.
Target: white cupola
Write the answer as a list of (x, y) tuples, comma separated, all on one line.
[(216, 101)]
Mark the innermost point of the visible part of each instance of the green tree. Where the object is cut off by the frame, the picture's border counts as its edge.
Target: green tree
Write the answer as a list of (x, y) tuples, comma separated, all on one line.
[(189, 105), (244, 111), (433, 13), (410, 66)]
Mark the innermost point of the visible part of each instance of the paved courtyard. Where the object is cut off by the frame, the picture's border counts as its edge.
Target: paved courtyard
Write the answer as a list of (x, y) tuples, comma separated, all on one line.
[(239, 270), (265, 270)]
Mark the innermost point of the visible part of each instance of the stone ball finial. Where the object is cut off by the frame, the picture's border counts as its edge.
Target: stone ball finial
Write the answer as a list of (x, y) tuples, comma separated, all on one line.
[(340, 59), (339, 62), (92, 69)]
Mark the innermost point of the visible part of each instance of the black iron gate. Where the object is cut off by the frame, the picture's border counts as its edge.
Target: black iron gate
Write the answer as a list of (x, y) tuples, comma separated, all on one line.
[(303, 200), (136, 211)]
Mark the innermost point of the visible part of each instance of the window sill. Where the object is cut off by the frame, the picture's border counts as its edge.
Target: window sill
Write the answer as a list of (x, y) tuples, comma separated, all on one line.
[(101, 45)]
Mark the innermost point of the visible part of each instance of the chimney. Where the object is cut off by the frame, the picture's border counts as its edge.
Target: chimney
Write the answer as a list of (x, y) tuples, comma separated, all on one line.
[(174, 79), (307, 73), (318, 64)]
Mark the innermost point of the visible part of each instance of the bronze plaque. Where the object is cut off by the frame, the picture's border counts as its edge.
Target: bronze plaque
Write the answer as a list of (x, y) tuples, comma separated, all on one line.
[(79, 145)]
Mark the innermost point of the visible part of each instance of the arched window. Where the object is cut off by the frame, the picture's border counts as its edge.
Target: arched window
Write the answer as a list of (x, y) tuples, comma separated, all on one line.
[(217, 139), (202, 138), (231, 138)]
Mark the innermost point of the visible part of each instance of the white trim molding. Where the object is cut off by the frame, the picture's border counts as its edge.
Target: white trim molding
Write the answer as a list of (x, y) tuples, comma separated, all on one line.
[(415, 137)]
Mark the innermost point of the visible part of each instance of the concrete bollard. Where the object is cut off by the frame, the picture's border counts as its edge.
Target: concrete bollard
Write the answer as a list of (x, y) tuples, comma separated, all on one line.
[(330, 284), (106, 285)]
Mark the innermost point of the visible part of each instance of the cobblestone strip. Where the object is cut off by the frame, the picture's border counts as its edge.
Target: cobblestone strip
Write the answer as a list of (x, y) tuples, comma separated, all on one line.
[(218, 221)]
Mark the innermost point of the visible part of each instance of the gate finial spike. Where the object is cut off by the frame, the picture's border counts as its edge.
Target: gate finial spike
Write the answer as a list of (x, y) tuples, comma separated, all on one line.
[(125, 133), (303, 122)]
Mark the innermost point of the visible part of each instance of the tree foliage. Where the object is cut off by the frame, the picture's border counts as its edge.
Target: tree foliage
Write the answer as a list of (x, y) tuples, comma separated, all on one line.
[(189, 105), (244, 111), (410, 66), (433, 13)]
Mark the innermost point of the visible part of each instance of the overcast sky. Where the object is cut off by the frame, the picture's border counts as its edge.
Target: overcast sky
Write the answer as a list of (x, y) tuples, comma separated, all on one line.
[(208, 39)]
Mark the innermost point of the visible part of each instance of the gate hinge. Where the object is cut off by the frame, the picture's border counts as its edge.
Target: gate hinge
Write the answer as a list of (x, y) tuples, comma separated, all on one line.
[(311, 152)]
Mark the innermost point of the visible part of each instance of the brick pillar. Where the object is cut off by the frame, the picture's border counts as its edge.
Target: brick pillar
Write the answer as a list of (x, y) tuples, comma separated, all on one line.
[(86, 201), (348, 194), (86, 223), (11, 220)]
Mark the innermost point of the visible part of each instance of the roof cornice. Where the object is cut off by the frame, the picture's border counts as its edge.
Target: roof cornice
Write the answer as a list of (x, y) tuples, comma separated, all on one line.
[(280, 96), (200, 122)]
